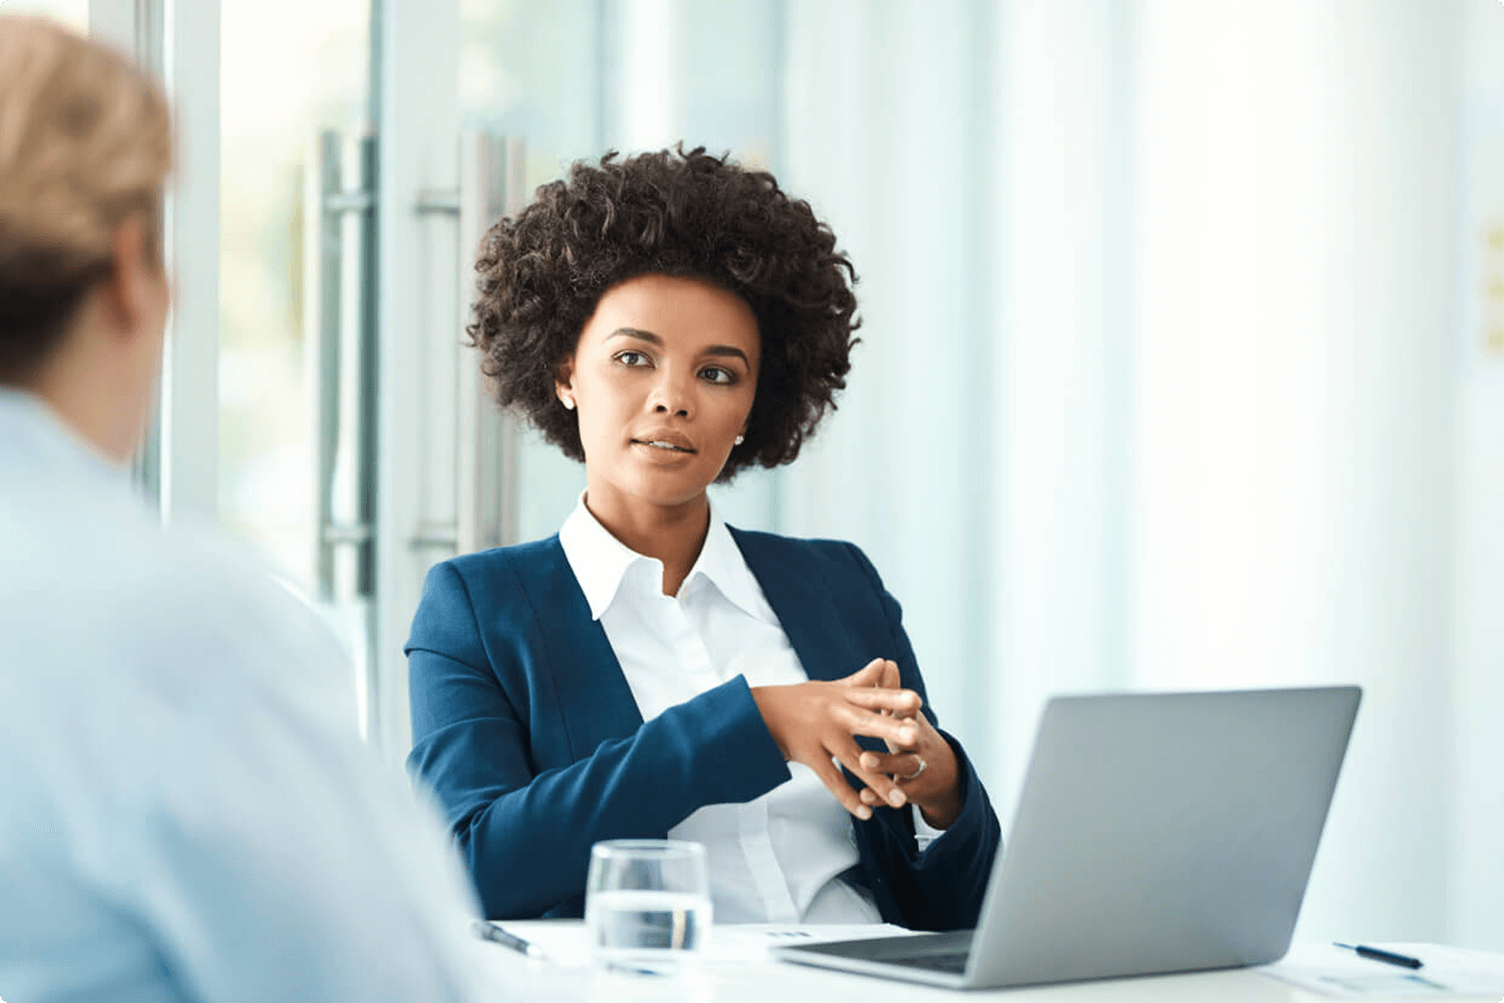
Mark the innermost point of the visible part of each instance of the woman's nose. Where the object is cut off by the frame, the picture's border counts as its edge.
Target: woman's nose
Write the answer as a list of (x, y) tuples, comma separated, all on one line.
[(672, 395)]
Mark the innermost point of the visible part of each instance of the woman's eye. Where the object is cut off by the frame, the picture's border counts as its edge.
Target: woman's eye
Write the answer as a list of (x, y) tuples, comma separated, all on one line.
[(632, 358), (715, 374)]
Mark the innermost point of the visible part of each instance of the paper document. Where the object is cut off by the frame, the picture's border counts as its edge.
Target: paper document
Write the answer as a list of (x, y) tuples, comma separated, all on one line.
[(755, 941), (1446, 972), (565, 942)]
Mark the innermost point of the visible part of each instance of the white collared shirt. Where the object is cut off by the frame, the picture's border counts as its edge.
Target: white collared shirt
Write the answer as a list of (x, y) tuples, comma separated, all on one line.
[(775, 859)]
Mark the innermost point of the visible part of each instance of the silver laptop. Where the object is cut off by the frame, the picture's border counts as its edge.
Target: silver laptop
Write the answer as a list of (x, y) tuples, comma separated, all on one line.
[(1156, 832)]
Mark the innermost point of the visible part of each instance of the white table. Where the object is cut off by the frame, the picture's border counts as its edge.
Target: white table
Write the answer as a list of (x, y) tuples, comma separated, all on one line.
[(512, 976)]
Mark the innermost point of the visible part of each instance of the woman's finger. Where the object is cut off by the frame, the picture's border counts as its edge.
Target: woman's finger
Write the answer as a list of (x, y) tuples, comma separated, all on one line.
[(902, 702), (901, 766), (878, 782), (927, 736), (871, 674), (835, 780), (900, 730)]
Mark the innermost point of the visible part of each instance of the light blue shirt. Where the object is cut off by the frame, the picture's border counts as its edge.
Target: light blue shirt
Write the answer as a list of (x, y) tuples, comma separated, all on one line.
[(186, 812)]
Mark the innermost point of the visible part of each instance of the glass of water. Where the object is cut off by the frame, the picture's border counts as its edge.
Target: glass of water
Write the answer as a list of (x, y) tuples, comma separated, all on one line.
[(647, 903)]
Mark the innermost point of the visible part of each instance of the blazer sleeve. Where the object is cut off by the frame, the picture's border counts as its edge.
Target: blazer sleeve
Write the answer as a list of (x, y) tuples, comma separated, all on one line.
[(526, 832), (942, 887)]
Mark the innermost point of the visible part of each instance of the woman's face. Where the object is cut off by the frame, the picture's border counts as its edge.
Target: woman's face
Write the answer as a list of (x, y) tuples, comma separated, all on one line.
[(663, 378)]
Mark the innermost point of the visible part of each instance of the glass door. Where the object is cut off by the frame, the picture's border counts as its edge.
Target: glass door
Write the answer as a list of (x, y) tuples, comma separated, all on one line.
[(295, 440)]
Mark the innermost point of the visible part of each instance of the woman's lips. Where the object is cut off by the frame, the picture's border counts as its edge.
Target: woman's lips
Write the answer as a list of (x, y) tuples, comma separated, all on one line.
[(665, 443), (665, 457)]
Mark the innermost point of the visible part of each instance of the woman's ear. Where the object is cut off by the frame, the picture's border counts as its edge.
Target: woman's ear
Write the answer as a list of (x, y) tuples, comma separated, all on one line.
[(563, 384), (129, 291)]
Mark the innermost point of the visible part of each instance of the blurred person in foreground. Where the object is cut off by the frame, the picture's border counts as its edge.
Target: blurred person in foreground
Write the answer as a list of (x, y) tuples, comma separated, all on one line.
[(186, 812)]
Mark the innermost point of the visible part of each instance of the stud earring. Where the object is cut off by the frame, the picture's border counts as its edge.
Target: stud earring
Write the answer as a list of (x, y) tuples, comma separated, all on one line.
[(739, 439), (568, 404)]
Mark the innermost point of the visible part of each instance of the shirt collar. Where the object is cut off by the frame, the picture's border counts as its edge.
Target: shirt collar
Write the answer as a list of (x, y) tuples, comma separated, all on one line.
[(32, 430), (601, 562), (721, 563)]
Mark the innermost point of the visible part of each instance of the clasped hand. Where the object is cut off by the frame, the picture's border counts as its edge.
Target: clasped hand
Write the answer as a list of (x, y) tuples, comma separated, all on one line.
[(816, 723)]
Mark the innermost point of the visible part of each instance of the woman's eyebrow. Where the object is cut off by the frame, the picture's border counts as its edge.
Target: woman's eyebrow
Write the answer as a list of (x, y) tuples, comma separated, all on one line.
[(632, 332), (728, 350)]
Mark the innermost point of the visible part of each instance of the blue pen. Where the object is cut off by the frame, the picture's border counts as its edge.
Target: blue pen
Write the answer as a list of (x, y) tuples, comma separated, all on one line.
[(1388, 957), (496, 935)]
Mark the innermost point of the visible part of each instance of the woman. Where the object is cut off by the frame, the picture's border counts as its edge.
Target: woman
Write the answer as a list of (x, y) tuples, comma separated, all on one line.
[(670, 320)]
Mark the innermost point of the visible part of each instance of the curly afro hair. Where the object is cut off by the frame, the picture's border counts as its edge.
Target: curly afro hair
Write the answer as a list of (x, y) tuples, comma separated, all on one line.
[(543, 270)]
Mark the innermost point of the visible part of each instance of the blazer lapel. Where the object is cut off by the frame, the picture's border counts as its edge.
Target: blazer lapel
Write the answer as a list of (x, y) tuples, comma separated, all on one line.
[(822, 614), (803, 606), (590, 689)]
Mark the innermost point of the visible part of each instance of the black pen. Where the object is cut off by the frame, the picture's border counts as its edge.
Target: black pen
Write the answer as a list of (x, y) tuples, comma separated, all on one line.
[(1388, 957), (495, 934)]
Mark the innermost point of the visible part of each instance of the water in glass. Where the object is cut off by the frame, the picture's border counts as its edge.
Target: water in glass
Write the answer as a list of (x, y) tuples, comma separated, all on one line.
[(647, 905)]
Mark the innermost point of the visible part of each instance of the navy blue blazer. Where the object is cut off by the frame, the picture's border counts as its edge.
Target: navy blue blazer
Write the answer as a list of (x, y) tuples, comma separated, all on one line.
[(524, 726)]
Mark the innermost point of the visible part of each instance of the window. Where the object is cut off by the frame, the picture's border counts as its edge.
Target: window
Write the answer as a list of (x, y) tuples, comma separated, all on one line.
[(289, 71)]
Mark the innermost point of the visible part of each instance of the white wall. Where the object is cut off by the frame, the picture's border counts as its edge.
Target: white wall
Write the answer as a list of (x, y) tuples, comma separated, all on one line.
[(1060, 378), (1292, 481), (1477, 879)]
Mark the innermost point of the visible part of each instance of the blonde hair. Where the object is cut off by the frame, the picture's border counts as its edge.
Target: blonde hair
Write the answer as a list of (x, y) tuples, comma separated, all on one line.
[(85, 141)]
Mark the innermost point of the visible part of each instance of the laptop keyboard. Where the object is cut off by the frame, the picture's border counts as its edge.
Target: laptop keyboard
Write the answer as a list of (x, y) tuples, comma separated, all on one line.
[(935, 962)]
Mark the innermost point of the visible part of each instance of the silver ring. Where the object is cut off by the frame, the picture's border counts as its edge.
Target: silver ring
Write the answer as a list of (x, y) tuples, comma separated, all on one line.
[(922, 767)]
